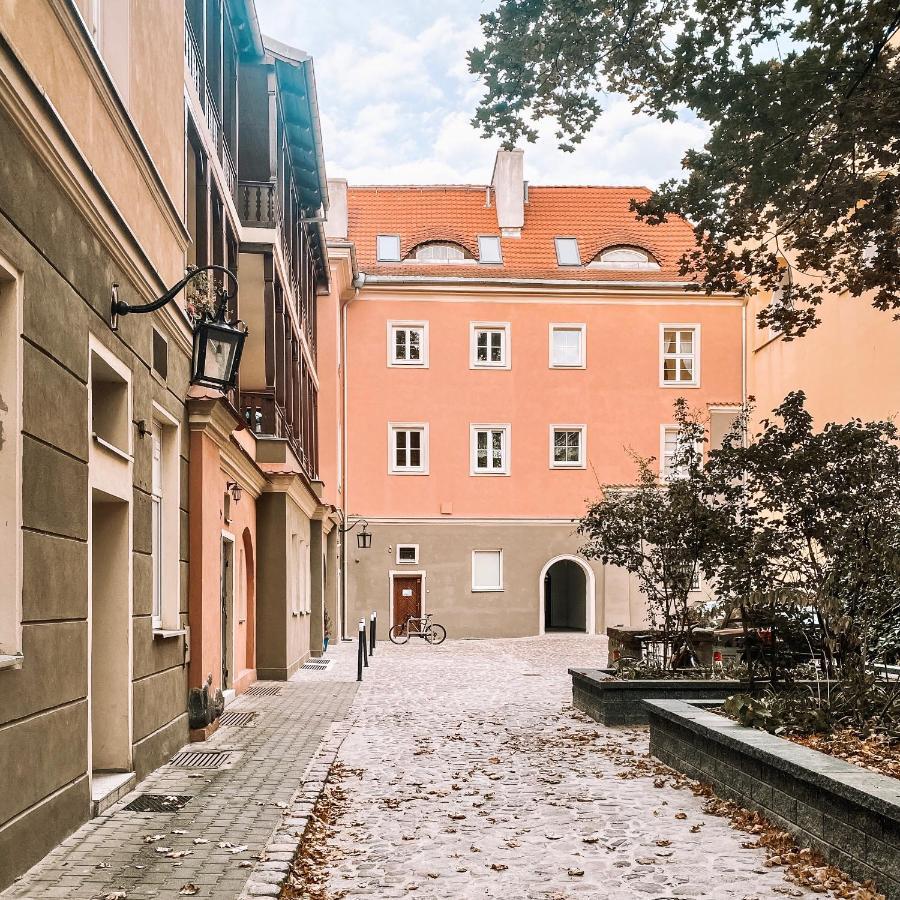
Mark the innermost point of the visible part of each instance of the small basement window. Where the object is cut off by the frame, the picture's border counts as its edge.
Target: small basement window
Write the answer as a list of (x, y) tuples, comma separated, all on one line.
[(407, 553)]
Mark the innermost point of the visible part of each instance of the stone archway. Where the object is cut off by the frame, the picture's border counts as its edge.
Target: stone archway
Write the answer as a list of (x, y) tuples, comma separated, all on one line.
[(567, 595)]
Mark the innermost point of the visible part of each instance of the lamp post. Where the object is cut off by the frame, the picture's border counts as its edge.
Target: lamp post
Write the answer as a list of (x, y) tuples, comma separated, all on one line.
[(218, 343)]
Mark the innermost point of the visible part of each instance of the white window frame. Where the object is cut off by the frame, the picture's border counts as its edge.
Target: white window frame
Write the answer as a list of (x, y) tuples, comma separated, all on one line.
[(582, 448), (679, 326), (569, 326), (663, 476), (393, 468), (557, 242), (166, 540), (490, 262), (644, 260), (474, 328), (378, 240), (395, 325), (480, 588), (408, 562), (474, 428)]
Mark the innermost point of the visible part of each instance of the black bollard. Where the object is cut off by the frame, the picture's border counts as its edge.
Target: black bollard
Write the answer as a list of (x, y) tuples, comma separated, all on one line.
[(372, 634), (365, 642), (361, 650)]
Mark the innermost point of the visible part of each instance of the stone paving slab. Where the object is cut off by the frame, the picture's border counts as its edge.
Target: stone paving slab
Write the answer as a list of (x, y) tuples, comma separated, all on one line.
[(241, 806), (469, 775)]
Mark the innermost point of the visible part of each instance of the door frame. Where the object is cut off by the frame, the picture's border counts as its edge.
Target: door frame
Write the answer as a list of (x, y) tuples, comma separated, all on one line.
[(400, 573), (227, 537), (590, 591)]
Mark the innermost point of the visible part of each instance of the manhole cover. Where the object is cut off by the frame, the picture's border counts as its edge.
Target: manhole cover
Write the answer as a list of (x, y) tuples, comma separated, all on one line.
[(160, 803), (263, 690), (238, 719), (317, 665), (201, 759)]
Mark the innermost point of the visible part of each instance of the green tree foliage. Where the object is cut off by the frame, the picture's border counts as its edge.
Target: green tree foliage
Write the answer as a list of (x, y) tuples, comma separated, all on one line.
[(802, 98)]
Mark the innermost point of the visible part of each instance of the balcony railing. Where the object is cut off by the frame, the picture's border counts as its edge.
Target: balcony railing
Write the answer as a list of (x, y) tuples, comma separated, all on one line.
[(258, 204), (193, 59), (265, 416), (229, 167)]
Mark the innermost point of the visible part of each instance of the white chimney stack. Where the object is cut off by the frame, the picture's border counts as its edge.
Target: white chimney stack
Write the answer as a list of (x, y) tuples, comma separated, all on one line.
[(336, 225), (508, 183)]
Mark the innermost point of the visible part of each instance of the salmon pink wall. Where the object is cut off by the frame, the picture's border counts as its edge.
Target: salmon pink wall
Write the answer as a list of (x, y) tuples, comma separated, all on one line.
[(617, 396)]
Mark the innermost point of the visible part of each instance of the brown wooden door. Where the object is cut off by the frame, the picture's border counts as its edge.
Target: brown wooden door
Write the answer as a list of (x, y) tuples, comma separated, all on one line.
[(407, 597)]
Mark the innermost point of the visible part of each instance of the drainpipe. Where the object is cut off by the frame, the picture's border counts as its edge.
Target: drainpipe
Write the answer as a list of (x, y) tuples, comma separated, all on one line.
[(744, 352)]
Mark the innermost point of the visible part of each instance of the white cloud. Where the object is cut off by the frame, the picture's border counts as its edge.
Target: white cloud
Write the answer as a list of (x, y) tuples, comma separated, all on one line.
[(396, 100)]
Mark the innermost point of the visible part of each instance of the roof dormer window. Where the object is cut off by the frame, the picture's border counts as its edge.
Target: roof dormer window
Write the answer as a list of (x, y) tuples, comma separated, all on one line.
[(567, 253), (489, 249), (440, 252), (624, 258), (387, 247)]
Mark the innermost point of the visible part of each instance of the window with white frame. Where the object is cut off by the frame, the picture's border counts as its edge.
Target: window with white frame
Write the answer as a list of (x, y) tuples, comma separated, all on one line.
[(165, 522), (567, 346), (10, 464), (487, 570), (567, 446), (696, 584), (567, 252), (306, 562), (440, 252), (387, 248), (490, 450), (624, 258), (679, 355), (489, 249), (490, 346), (673, 454), (408, 343), (409, 449), (781, 298), (407, 553)]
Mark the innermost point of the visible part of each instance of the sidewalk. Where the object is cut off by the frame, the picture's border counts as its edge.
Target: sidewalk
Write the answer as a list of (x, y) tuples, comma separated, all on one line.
[(230, 813)]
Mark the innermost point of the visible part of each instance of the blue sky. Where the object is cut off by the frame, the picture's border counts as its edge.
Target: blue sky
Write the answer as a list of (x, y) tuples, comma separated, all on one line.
[(396, 100)]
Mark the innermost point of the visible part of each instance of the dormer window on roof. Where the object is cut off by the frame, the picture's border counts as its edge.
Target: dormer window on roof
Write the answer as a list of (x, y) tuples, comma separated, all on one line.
[(387, 248), (489, 249), (567, 252), (439, 252), (624, 258)]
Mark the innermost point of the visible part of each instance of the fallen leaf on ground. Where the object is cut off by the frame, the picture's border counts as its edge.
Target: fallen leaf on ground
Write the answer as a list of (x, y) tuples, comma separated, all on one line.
[(189, 889)]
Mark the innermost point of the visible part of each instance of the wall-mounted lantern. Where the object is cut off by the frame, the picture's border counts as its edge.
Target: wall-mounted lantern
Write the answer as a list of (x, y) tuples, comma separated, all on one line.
[(217, 343), (235, 490), (363, 537)]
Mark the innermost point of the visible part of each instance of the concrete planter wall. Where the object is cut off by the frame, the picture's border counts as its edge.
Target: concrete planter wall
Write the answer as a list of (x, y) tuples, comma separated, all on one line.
[(615, 702), (848, 814)]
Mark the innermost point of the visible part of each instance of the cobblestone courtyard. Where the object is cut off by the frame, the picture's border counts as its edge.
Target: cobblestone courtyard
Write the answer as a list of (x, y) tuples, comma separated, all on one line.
[(467, 774)]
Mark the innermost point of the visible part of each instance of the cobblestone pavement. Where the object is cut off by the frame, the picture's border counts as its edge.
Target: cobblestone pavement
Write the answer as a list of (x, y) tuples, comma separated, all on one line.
[(467, 774), (122, 853)]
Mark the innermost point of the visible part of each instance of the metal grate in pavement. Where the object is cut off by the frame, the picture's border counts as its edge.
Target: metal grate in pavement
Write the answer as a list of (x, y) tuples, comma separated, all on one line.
[(317, 665), (263, 690), (200, 759), (237, 719), (161, 803)]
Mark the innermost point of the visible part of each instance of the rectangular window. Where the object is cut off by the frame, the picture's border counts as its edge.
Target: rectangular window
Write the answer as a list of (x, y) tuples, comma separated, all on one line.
[(567, 253), (672, 454), (387, 247), (567, 446), (567, 346), (409, 449), (487, 570), (157, 542), (489, 249), (679, 355), (407, 553), (490, 450), (165, 522), (490, 346), (408, 344)]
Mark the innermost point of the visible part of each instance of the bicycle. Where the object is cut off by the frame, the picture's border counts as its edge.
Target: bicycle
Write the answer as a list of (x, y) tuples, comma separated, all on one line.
[(430, 631)]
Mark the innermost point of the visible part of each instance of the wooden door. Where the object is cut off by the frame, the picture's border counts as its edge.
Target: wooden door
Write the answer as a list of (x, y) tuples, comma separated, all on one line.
[(407, 597)]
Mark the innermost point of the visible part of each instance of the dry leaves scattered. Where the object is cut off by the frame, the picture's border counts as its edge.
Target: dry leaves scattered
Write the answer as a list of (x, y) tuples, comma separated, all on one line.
[(878, 753)]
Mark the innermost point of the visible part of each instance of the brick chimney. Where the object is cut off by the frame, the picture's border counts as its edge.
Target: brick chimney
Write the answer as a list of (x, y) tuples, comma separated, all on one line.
[(336, 224), (508, 185)]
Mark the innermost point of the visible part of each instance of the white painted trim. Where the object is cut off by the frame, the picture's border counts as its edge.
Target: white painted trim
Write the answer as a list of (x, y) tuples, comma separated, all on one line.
[(582, 454), (505, 328), (407, 562), (568, 326), (478, 589), (507, 448), (590, 600), (393, 573), (460, 520), (684, 326), (408, 426), (393, 324), (666, 426)]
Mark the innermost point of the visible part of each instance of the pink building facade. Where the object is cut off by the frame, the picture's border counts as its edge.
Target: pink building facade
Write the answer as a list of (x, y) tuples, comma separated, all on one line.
[(503, 348)]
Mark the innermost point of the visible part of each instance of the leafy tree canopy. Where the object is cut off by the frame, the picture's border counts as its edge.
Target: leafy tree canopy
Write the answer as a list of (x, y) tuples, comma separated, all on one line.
[(803, 102)]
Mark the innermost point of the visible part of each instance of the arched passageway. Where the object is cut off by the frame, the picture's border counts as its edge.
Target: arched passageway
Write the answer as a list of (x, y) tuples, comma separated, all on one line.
[(565, 596)]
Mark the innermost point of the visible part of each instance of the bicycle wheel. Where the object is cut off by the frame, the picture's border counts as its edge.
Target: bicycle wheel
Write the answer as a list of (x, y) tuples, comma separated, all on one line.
[(399, 634), (436, 634)]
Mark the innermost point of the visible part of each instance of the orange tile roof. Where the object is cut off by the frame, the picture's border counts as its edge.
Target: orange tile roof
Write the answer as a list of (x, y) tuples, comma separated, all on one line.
[(599, 217)]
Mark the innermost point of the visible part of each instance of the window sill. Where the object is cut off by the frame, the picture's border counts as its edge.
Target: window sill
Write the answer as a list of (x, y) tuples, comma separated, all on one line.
[(684, 384), (11, 662), (112, 448), (487, 590), (162, 634)]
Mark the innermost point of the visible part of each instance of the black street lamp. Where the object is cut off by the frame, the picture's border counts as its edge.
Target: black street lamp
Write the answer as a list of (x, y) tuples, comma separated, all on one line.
[(217, 343), (363, 537)]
